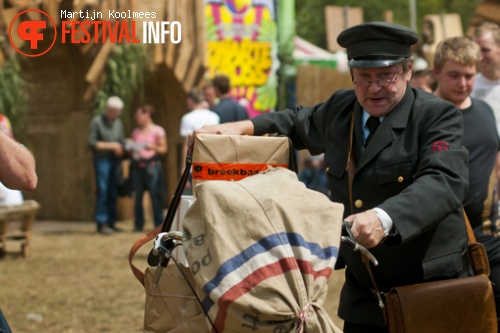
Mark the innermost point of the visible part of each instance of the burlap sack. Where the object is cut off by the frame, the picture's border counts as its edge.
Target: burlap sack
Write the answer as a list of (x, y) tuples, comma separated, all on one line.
[(171, 306), (262, 250)]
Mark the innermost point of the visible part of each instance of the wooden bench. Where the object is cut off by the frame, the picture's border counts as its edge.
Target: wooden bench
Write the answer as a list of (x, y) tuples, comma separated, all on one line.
[(16, 223)]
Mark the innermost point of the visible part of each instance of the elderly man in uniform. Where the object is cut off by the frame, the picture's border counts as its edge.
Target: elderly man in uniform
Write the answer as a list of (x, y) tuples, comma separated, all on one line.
[(407, 166)]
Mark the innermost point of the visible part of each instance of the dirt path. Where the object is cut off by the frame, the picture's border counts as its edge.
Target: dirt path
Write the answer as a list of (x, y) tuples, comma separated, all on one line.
[(76, 281)]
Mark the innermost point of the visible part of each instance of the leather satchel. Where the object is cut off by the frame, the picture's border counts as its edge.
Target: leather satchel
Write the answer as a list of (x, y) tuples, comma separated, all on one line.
[(454, 305), (460, 305)]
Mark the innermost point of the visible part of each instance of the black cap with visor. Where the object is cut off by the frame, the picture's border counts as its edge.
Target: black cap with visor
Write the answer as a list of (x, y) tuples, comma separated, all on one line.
[(377, 44)]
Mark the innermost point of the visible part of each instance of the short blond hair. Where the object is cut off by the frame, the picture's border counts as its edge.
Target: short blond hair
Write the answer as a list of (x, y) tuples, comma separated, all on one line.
[(460, 49), (488, 27)]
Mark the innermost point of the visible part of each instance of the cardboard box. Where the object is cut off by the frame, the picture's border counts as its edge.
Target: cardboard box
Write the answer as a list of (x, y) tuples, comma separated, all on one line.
[(234, 157)]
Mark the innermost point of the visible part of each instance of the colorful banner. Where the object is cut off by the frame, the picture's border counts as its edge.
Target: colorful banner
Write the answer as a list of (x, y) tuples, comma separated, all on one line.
[(242, 43)]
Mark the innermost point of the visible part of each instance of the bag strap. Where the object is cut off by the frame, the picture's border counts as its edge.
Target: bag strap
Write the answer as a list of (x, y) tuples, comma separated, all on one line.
[(139, 275), (351, 170), (351, 164), (470, 233), (167, 223)]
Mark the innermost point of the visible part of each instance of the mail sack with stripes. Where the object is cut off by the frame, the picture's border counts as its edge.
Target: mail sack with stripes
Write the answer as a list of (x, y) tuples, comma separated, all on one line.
[(261, 251)]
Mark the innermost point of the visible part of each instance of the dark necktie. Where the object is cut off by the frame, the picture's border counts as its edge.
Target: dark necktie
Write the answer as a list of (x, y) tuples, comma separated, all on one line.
[(372, 124)]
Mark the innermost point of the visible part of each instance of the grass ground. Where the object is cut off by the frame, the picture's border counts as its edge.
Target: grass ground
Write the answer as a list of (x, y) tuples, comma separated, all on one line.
[(76, 281)]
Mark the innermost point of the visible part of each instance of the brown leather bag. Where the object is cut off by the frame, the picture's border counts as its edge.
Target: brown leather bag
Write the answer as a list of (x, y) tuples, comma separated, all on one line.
[(461, 305), (455, 305)]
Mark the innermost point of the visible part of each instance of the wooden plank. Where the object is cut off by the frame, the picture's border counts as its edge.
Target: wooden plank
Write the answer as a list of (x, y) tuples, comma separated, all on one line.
[(85, 48), (338, 19), (315, 84), (2, 59), (489, 11), (171, 48), (201, 43), (51, 7), (187, 20), (133, 5), (9, 14), (438, 27), (183, 60), (389, 16), (158, 54), (354, 16), (159, 50), (105, 7), (1, 11), (99, 62), (334, 18), (195, 67)]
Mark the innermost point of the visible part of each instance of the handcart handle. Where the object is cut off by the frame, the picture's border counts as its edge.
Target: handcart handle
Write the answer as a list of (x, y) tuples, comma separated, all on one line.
[(349, 240), (167, 223)]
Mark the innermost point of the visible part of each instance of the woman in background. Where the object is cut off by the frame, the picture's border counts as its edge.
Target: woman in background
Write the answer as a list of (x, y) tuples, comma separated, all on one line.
[(149, 141)]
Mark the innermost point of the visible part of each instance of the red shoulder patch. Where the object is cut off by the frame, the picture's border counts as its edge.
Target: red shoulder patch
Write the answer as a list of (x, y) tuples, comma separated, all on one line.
[(439, 146)]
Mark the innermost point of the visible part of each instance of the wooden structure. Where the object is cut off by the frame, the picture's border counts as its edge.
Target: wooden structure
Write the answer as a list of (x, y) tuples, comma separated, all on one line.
[(488, 10), (16, 223), (62, 88), (315, 84), (338, 19), (436, 28)]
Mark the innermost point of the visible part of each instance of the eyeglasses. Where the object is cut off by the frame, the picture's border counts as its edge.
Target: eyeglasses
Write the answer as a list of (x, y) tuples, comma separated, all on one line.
[(388, 79)]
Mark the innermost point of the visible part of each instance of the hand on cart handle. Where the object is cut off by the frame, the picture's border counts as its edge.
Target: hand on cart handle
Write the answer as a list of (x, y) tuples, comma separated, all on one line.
[(349, 240)]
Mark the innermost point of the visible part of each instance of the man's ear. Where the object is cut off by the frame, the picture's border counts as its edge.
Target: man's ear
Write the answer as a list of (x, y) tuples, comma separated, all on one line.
[(436, 73)]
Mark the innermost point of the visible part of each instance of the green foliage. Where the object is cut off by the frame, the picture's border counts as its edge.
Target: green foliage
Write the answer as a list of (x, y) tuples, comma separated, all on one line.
[(268, 32), (310, 20), (211, 28), (12, 97), (125, 74)]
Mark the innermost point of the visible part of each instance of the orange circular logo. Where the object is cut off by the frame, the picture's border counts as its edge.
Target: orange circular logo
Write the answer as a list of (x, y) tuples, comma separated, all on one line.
[(32, 33)]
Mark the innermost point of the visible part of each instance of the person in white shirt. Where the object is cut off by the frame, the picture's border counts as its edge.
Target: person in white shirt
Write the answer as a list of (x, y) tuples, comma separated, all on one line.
[(487, 85), (198, 117)]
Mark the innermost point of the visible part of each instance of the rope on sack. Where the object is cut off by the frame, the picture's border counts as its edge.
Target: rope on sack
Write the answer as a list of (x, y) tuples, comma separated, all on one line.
[(304, 315)]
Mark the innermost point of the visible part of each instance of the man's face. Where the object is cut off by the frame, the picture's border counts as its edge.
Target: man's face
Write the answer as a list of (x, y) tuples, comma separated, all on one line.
[(190, 104), (209, 93), (455, 81), (490, 54), (383, 88), (112, 113)]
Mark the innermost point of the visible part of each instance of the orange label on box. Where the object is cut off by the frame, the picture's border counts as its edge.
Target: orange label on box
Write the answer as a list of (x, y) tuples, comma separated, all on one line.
[(229, 171)]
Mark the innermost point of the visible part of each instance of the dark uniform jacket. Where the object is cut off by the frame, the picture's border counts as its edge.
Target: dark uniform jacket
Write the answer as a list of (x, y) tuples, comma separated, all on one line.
[(415, 168)]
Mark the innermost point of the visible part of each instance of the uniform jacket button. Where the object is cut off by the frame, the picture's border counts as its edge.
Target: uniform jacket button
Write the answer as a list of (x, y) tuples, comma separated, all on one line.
[(400, 179), (358, 203), (327, 169)]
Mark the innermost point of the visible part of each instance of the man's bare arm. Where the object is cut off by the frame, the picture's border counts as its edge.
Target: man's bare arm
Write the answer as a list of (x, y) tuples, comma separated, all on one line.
[(17, 165)]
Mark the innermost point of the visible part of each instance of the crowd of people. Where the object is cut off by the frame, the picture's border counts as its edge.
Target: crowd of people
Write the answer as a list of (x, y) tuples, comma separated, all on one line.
[(145, 147)]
